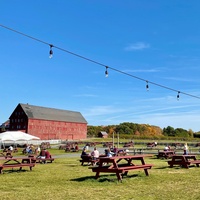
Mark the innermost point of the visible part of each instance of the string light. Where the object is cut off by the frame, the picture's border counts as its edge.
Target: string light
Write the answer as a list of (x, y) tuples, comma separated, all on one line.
[(51, 51), (178, 95), (106, 72), (98, 63), (147, 86)]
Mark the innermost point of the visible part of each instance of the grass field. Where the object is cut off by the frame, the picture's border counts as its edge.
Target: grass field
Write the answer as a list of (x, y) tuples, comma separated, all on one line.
[(65, 178)]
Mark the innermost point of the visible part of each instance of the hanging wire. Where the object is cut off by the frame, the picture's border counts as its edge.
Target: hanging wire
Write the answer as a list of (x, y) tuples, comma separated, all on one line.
[(98, 63)]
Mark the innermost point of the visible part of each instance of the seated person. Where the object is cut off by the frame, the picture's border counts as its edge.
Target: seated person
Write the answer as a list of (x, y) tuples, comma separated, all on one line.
[(166, 148), (115, 150), (42, 154), (37, 150), (108, 153), (95, 153), (10, 148), (47, 154), (84, 153), (76, 148), (28, 150)]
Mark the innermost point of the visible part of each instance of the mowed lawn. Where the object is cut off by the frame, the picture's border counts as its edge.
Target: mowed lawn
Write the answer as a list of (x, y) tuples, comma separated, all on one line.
[(65, 178)]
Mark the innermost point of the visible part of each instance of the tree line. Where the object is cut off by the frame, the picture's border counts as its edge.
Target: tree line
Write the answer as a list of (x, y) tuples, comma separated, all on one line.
[(134, 130)]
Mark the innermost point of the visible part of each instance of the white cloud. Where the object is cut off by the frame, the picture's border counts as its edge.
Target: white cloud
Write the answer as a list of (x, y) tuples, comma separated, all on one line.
[(182, 79), (184, 116), (101, 110), (142, 70), (137, 46), (85, 95)]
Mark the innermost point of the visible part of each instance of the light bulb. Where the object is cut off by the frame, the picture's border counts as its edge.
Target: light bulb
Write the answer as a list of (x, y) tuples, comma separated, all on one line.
[(51, 51), (147, 86), (178, 96), (106, 72)]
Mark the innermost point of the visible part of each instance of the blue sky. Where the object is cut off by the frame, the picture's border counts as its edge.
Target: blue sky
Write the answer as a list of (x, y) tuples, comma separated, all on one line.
[(157, 40)]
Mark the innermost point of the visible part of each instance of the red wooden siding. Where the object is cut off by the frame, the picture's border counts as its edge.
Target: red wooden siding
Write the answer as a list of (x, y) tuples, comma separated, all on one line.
[(57, 130)]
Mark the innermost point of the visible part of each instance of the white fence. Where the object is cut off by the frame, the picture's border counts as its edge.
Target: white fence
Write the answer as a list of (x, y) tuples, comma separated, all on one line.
[(22, 142)]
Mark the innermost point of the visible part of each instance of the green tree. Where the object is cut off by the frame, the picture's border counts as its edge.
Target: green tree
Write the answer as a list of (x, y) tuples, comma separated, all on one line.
[(180, 132), (169, 131)]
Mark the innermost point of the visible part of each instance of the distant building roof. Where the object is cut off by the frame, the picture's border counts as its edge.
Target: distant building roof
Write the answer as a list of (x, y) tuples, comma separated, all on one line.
[(38, 112), (103, 133)]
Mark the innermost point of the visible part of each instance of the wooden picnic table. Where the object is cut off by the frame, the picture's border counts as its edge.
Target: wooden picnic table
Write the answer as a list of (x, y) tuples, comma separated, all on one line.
[(184, 161), (7, 155), (15, 163), (165, 154), (36, 159), (120, 165)]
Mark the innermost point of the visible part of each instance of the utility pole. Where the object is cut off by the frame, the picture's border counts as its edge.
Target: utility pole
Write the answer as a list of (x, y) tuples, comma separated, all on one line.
[(113, 139), (117, 139)]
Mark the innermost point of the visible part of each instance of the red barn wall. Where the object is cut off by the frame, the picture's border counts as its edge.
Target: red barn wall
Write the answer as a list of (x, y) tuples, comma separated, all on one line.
[(45, 129)]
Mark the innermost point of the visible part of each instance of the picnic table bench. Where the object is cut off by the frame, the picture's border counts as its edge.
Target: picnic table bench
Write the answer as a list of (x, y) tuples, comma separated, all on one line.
[(184, 161), (86, 159), (111, 165), (35, 159), (89, 159), (16, 163), (165, 154)]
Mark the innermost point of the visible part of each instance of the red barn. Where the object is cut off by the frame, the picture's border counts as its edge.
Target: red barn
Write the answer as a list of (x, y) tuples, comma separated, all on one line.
[(48, 123)]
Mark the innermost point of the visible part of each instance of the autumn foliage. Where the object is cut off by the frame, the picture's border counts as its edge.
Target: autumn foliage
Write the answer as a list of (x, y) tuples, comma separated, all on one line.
[(132, 130)]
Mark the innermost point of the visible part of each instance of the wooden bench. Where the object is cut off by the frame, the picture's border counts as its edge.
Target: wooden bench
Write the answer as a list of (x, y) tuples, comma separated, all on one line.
[(41, 160), (88, 160), (122, 170), (44, 160), (194, 162)]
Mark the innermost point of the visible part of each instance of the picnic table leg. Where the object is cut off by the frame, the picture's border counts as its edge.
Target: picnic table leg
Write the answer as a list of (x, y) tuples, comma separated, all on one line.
[(171, 165), (146, 172), (125, 173), (186, 166), (119, 177), (97, 175), (184, 161)]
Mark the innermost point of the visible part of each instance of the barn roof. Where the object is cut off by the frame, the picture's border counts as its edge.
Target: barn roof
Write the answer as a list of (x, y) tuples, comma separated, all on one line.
[(38, 112), (103, 133)]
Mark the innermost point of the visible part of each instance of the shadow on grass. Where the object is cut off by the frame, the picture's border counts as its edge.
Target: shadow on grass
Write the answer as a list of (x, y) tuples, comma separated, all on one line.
[(71, 165), (103, 178), (175, 167), (163, 167), (15, 171)]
